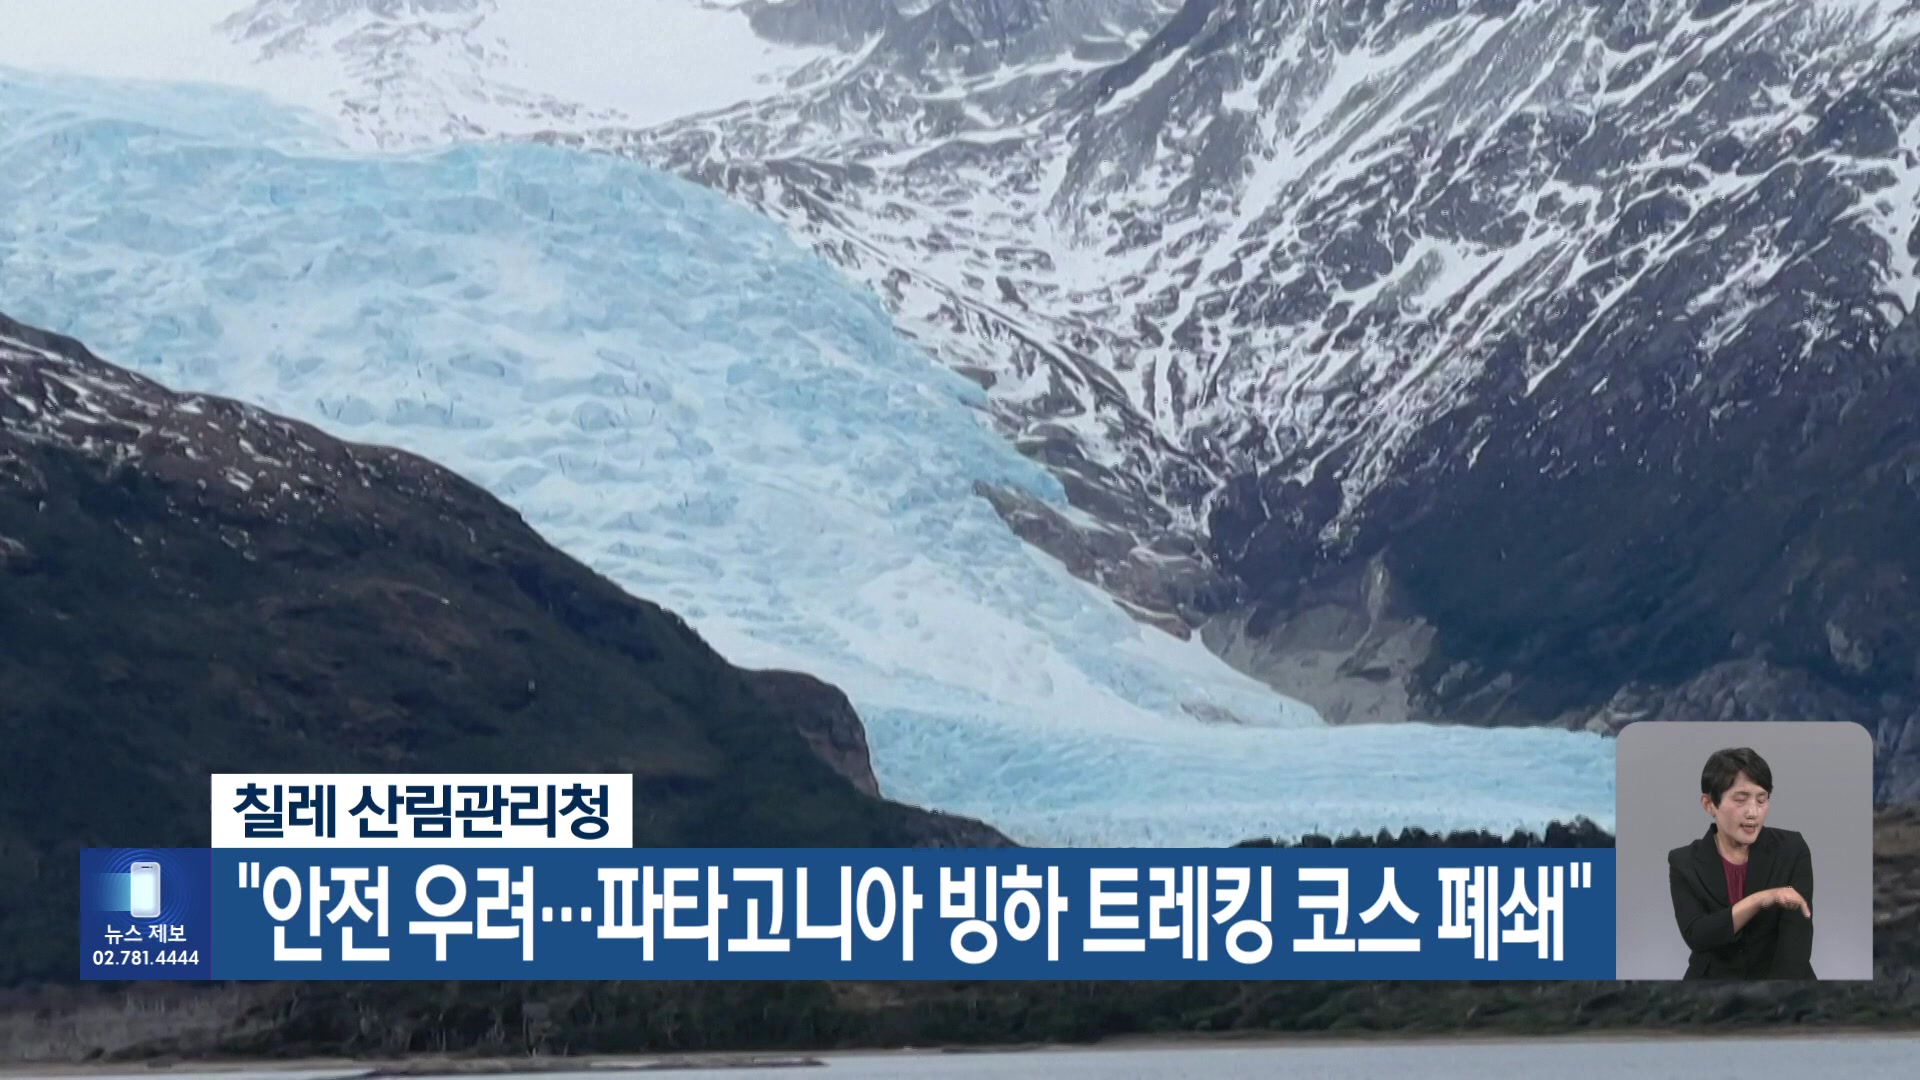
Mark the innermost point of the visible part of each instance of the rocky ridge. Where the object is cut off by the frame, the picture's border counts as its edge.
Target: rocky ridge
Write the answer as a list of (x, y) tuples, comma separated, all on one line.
[(191, 585)]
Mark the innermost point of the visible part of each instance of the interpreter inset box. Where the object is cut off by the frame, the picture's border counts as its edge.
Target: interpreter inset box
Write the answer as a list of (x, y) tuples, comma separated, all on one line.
[(1744, 851)]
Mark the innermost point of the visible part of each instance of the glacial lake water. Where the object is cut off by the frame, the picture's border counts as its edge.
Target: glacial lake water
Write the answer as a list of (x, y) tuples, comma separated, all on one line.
[(1855, 1057)]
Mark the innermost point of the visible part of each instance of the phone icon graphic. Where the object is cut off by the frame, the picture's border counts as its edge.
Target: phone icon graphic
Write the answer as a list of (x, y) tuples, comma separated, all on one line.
[(145, 893)]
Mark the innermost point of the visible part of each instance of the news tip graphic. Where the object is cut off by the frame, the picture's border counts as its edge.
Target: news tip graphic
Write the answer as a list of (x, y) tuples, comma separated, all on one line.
[(145, 913), (884, 914)]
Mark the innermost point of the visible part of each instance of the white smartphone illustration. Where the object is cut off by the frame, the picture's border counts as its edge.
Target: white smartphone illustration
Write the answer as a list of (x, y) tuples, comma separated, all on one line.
[(146, 890)]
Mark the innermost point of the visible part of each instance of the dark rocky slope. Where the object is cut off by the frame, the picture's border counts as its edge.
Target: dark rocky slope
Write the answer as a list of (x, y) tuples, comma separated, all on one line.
[(190, 585), (1647, 555)]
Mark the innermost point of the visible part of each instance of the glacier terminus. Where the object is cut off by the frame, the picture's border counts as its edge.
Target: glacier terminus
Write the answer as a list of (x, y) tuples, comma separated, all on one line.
[(671, 389)]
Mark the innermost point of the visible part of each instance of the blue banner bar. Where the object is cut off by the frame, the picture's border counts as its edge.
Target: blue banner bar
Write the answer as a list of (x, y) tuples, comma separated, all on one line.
[(1131, 913)]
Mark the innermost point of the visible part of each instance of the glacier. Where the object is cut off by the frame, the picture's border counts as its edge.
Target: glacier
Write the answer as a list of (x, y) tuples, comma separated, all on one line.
[(668, 388)]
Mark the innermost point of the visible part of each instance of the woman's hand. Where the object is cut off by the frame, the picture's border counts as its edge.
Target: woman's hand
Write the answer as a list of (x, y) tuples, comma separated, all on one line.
[(1787, 896)]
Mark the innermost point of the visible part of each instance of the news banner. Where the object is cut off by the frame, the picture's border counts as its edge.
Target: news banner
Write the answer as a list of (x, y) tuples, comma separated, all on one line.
[(516, 876)]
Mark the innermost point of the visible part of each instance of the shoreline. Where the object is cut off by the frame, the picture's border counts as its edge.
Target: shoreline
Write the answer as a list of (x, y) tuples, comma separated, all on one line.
[(426, 1065)]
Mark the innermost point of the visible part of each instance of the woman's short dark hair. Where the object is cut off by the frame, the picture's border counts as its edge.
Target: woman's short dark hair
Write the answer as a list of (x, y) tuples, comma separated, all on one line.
[(1725, 766)]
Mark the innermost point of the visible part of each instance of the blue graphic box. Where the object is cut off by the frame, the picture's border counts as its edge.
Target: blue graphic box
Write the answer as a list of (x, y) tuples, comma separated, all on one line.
[(146, 913), (448, 913)]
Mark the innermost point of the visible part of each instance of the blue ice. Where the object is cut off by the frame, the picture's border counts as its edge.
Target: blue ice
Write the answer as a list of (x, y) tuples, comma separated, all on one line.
[(672, 391)]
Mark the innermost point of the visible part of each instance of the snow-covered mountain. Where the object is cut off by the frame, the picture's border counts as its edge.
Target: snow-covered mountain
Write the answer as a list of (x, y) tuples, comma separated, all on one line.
[(411, 74), (1281, 240), (1512, 362), (1508, 361)]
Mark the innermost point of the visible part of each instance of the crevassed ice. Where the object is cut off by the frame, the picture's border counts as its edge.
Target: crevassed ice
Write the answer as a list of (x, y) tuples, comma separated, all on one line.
[(672, 391)]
